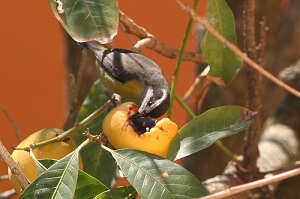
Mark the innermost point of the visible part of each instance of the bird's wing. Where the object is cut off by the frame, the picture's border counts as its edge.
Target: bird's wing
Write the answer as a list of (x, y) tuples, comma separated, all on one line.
[(125, 65)]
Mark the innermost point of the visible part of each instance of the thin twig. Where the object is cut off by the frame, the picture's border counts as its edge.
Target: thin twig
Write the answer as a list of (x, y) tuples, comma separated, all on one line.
[(199, 89), (8, 194), (14, 167), (143, 43), (4, 177), (237, 51), (252, 185), (153, 43), (131, 40), (15, 125)]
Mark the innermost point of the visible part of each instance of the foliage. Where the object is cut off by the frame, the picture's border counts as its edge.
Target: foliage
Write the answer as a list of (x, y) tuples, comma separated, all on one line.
[(88, 20), (155, 177), (96, 162), (150, 175), (222, 61), (205, 129), (58, 180)]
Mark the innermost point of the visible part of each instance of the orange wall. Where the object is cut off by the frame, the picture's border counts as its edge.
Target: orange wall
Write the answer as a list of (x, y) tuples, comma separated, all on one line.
[(32, 71), (32, 84)]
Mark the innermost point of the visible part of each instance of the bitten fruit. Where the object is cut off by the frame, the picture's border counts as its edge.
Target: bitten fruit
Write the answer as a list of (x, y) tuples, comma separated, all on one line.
[(143, 134)]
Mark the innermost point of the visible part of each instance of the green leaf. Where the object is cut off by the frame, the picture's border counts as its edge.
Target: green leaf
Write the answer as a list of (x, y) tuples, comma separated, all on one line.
[(40, 168), (96, 161), (208, 127), (59, 181), (100, 164), (88, 186), (127, 192), (222, 61), (47, 163), (88, 20), (155, 177)]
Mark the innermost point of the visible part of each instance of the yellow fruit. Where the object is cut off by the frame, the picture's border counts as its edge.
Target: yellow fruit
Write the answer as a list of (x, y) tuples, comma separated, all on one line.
[(122, 132), (55, 150)]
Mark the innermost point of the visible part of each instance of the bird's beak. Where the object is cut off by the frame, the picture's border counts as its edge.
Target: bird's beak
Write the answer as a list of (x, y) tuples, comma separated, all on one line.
[(138, 114)]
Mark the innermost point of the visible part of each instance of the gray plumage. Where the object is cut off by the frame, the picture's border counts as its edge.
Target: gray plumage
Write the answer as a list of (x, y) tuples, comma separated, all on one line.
[(120, 68)]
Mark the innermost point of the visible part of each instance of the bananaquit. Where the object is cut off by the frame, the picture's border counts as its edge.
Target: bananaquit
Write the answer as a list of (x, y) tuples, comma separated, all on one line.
[(132, 75)]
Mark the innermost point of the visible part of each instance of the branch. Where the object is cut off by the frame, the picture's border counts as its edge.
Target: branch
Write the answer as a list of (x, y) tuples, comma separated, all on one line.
[(81, 125), (147, 40), (14, 167), (253, 185), (236, 50), (250, 150)]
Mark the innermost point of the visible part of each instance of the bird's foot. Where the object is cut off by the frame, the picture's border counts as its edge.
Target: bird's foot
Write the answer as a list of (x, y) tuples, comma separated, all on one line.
[(114, 99)]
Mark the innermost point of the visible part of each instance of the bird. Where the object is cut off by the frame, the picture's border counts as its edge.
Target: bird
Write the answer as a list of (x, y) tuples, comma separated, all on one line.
[(132, 75)]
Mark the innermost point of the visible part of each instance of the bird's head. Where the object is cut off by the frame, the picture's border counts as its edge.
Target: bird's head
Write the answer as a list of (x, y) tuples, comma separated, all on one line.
[(155, 102)]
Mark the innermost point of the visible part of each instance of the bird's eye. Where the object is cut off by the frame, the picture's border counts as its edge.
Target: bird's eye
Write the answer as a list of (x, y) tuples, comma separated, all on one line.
[(151, 101)]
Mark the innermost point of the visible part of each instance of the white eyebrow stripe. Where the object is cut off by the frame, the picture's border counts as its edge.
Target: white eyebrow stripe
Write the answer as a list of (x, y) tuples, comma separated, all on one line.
[(159, 101)]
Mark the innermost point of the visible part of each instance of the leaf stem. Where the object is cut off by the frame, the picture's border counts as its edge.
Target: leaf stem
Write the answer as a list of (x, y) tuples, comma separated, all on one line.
[(223, 148), (180, 58), (186, 107)]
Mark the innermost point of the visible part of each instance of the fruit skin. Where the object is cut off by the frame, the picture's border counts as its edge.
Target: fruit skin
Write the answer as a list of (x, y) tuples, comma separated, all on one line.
[(55, 150), (120, 134)]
